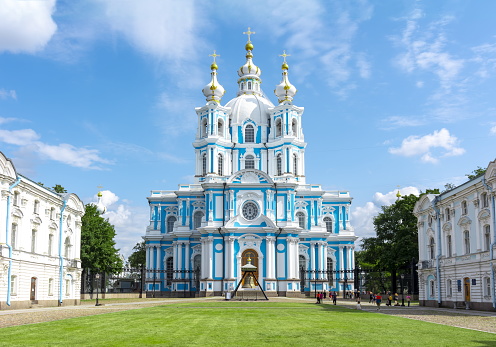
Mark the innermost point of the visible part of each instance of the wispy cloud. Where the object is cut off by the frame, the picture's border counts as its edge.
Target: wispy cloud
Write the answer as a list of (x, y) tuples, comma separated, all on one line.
[(64, 153), (493, 130), (395, 122), (442, 142), (26, 26), (8, 94)]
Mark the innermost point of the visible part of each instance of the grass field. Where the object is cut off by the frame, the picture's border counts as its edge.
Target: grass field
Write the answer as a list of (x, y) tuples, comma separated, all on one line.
[(242, 324)]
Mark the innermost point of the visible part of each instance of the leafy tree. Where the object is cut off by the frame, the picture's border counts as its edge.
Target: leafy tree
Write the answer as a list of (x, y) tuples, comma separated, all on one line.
[(138, 258), (476, 173), (396, 241), (98, 252), (59, 189), (448, 186)]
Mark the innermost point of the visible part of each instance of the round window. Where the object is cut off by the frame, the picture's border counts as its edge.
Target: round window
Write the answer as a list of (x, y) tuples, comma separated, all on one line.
[(250, 210)]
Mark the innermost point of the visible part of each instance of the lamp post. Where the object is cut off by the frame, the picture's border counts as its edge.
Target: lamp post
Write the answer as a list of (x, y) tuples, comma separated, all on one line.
[(402, 292), (97, 277)]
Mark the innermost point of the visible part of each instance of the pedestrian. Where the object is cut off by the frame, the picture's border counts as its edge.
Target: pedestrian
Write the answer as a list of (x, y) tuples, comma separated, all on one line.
[(371, 298), (396, 296), (389, 300), (408, 298), (378, 299), (334, 298), (317, 296), (358, 305), (324, 295)]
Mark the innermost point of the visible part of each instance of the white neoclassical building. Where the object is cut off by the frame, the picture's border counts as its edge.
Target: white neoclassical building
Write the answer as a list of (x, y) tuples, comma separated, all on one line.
[(39, 243), (250, 202), (457, 243)]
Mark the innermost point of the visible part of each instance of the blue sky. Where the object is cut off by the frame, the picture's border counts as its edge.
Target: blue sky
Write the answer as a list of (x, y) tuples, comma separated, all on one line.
[(397, 94)]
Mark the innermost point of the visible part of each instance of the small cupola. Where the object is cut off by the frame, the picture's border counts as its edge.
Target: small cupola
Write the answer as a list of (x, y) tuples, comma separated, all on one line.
[(213, 91), (285, 91)]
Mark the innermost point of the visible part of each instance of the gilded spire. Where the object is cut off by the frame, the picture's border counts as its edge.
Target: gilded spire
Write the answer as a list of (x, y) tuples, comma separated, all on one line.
[(213, 91), (249, 81), (285, 91)]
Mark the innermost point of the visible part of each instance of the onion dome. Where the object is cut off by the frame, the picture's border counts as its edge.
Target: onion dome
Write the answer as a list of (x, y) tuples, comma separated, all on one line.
[(249, 81), (99, 205), (213, 91), (285, 91)]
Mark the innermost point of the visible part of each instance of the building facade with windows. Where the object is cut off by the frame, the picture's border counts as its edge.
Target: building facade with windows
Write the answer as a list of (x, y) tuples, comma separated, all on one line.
[(250, 202), (39, 243), (457, 243)]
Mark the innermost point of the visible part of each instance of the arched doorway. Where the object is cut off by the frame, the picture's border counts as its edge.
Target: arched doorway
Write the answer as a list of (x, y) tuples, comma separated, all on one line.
[(253, 256), (32, 295), (197, 272), (303, 267)]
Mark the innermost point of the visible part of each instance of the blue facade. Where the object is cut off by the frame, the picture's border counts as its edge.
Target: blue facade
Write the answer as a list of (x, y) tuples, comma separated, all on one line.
[(250, 201)]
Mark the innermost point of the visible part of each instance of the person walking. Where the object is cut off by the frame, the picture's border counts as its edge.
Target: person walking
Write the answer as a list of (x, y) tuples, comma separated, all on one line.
[(378, 299), (371, 298), (334, 298), (408, 299)]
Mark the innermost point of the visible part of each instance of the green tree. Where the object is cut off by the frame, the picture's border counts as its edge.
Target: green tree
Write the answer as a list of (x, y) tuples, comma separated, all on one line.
[(59, 189), (476, 173), (98, 252), (138, 258), (396, 241)]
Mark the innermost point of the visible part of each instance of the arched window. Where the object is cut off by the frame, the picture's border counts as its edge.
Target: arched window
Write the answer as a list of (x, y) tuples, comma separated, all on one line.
[(278, 127), (170, 223), (295, 164), (279, 165), (447, 214), (197, 219), (249, 162), (204, 164), (466, 241), (487, 237), (220, 165), (301, 219), (220, 128), (249, 85), (67, 247), (432, 248), (464, 207), (204, 128), (169, 266), (33, 241), (485, 200), (13, 236), (250, 256), (242, 85), (294, 127), (449, 246), (328, 224), (249, 133)]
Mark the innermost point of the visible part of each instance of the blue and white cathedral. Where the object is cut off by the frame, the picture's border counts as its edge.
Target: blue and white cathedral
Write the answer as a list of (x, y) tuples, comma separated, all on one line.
[(250, 203)]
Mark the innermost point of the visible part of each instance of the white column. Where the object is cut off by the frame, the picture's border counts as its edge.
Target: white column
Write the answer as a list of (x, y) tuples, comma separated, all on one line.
[(158, 258), (232, 258), (148, 263), (210, 257), (296, 259), (187, 256), (174, 257), (203, 259), (325, 261), (312, 259), (179, 258), (321, 259), (341, 262)]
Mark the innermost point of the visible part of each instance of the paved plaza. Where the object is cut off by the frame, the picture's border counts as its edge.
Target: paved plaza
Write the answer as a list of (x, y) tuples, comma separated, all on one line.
[(468, 319)]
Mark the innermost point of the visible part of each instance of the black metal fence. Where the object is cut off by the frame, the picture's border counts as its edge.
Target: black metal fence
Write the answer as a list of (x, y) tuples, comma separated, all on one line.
[(172, 283), (129, 280)]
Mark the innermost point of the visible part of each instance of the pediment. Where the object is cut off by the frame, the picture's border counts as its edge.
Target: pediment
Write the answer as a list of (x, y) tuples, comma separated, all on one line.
[(250, 176), (447, 226), (464, 221), (261, 221), (36, 220), (484, 214)]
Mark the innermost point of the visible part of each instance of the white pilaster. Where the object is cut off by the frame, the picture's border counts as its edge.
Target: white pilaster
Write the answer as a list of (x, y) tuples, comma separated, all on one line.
[(312, 259)]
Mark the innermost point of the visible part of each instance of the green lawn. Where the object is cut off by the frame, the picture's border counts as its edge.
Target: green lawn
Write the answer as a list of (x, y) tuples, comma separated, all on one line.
[(242, 324)]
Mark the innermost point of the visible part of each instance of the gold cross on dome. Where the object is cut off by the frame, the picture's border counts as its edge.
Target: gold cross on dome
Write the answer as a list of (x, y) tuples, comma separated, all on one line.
[(249, 32), (284, 55), (214, 55), (99, 187)]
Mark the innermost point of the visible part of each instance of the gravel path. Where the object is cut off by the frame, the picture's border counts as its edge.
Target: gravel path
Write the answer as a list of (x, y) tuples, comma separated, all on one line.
[(476, 320)]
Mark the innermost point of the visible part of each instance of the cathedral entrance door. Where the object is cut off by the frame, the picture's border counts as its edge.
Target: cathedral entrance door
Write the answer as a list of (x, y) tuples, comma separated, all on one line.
[(466, 285), (32, 295), (253, 256)]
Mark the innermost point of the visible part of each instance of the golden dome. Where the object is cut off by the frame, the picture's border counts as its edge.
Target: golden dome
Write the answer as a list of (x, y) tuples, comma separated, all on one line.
[(249, 46)]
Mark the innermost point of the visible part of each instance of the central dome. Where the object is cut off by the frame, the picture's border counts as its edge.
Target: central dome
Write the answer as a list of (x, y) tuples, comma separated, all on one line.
[(249, 106)]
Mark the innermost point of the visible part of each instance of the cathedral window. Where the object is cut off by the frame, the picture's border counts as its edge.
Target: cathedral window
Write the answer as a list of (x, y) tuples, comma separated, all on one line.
[(464, 207), (220, 165), (52, 213), (249, 162), (220, 128), (250, 210), (13, 236), (249, 133), (487, 238), (295, 164), (249, 85), (330, 269), (204, 128), (301, 219), (242, 85), (204, 164), (17, 198), (169, 265), (449, 246), (170, 223), (36, 209), (328, 224), (466, 241), (447, 214), (197, 219), (67, 247), (278, 127), (294, 127), (432, 248), (279, 165), (485, 200)]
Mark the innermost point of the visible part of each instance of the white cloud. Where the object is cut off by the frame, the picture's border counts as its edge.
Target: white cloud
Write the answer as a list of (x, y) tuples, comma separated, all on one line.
[(493, 130), (64, 153), (8, 94), (441, 141), (363, 216), (130, 222), (419, 84), (26, 26), (395, 122)]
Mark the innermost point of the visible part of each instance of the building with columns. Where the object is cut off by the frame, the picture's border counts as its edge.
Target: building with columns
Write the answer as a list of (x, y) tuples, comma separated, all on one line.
[(250, 202), (40, 236), (456, 236)]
